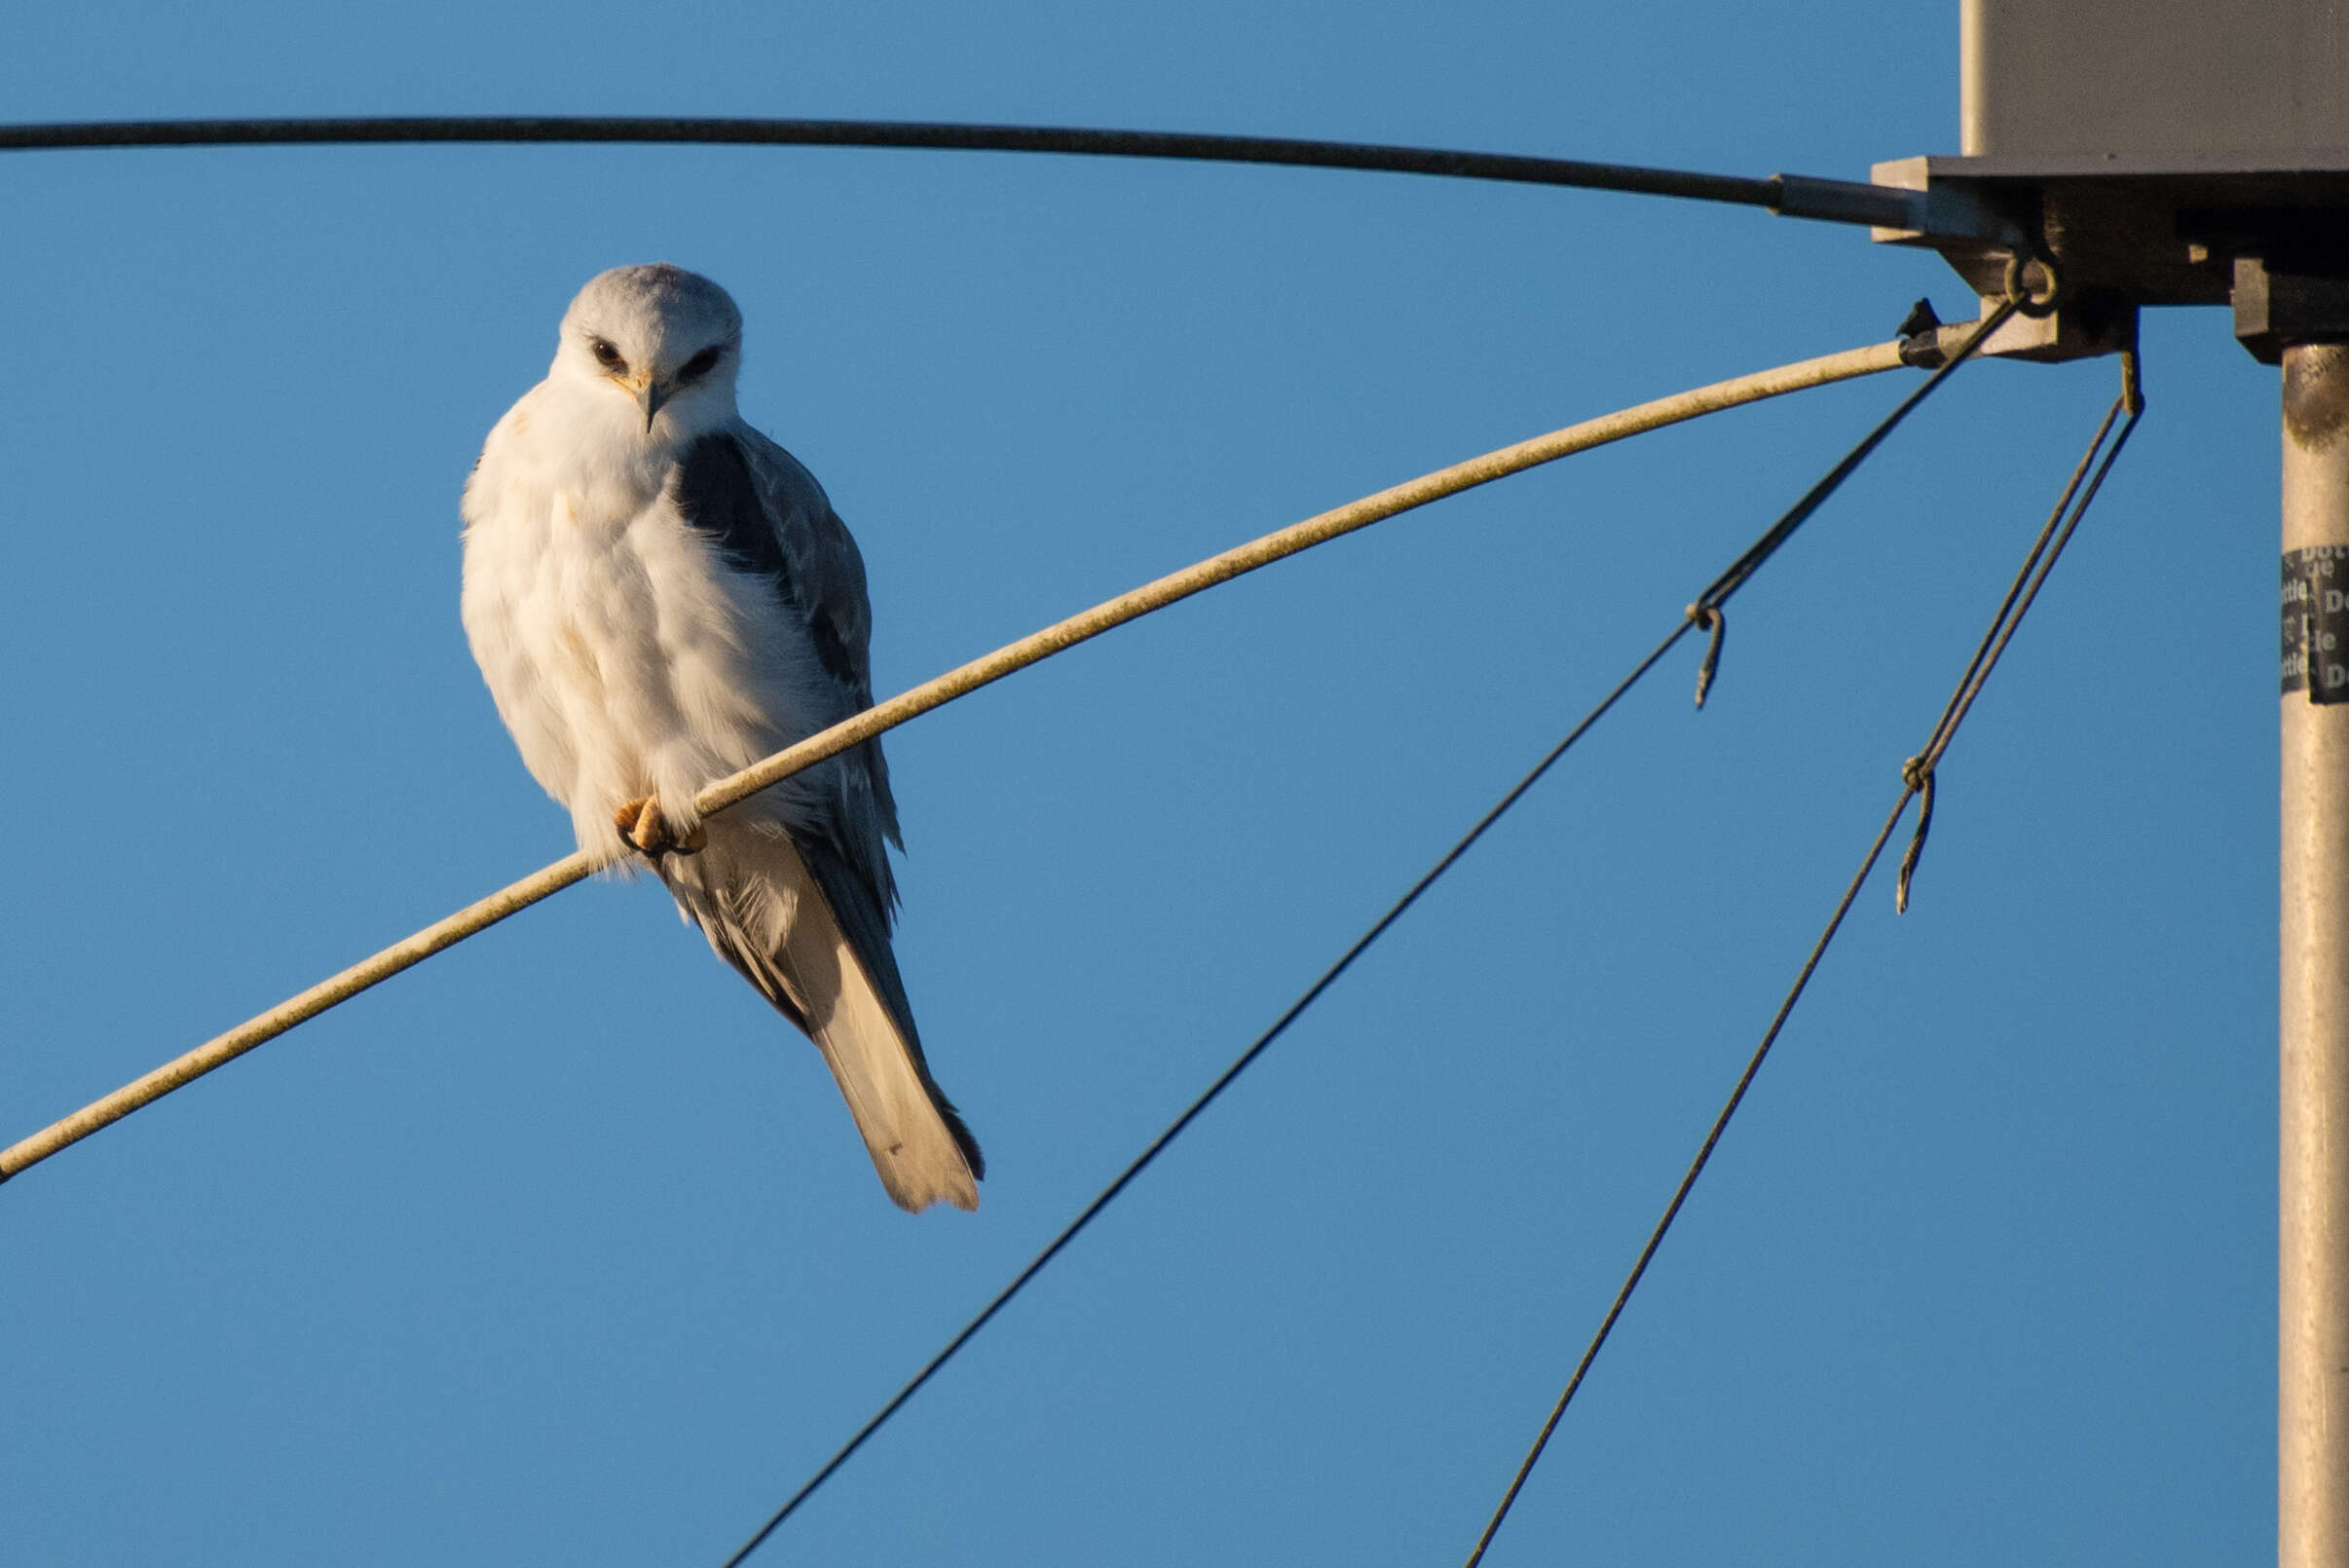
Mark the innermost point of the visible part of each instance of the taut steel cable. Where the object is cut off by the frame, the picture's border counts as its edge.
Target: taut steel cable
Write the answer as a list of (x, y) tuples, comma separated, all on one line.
[(2010, 615), (1313, 993)]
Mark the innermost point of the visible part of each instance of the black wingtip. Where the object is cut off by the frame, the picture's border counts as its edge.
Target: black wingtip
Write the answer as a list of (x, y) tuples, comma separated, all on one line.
[(962, 1135)]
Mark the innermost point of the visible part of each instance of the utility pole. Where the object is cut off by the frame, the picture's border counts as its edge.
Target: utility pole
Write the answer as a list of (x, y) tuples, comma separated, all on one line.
[(2196, 152), (2312, 1370)]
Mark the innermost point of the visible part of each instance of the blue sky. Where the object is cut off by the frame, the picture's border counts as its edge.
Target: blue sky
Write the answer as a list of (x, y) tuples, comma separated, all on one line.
[(561, 1248)]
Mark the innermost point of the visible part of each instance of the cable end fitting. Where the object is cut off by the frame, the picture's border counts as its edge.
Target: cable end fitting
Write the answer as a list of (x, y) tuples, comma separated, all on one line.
[(1710, 618), (1918, 774)]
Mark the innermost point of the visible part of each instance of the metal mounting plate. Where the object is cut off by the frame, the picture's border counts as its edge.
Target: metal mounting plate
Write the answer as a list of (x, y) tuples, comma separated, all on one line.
[(2152, 228)]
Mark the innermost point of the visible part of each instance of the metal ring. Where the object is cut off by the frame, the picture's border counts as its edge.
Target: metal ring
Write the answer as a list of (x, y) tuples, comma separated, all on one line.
[(2020, 297)]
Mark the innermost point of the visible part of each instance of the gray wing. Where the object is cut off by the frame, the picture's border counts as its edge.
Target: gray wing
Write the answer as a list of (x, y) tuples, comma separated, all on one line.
[(767, 514)]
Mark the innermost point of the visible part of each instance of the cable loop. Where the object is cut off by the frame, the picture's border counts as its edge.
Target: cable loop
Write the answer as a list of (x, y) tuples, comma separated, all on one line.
[(1919, 780), (2034, 306), (1710, 618)]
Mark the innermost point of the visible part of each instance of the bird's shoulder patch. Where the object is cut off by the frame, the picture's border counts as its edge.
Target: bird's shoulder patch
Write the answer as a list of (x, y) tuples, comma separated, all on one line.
[(719, 501)]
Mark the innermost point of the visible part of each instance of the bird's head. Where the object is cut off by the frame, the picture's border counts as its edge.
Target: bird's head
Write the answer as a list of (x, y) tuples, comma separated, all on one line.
[(666, 338)]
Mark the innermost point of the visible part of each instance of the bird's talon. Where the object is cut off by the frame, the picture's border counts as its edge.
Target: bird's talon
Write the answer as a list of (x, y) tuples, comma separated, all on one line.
[(642, 825), (645, 827)]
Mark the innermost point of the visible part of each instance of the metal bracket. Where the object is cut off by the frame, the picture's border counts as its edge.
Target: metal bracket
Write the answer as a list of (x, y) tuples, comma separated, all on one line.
[(2290, 299), (2144, 228)]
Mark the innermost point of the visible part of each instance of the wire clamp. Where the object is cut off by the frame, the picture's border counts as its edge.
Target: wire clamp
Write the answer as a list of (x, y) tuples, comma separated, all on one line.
[(1710, 618)]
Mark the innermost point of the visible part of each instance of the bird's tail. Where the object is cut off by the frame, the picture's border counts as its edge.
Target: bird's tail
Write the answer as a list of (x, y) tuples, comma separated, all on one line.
[(817, 947)]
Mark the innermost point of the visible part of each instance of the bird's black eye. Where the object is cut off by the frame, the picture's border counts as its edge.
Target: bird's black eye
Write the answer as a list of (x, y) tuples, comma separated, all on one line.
[(607, 355), (703, 363)]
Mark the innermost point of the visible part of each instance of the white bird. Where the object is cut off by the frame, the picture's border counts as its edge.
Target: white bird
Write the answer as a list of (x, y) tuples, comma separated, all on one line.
[(658, 596)]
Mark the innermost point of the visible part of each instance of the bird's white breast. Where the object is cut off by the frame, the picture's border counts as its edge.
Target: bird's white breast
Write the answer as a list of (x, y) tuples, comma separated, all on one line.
[(626, 656)]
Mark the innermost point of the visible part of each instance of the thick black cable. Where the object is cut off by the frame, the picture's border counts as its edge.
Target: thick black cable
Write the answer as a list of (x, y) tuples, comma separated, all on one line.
[(1793, 195), (2003, 627), (1241, 1064), (1223, 1081)]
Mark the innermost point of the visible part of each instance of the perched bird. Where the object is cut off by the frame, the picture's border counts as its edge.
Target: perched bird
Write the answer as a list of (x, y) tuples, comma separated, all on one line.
[(658, 596)]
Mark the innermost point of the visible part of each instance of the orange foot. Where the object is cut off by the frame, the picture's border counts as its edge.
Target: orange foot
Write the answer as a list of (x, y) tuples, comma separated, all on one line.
[(641, 824)]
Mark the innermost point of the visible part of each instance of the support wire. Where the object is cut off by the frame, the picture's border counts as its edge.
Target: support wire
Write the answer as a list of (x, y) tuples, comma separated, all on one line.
[(1922, 770), (1969, 686), (1191, 1112), (1329, 976), (1709, 609)]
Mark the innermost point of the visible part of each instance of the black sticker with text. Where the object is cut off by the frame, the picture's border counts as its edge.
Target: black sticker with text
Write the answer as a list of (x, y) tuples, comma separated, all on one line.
[(2316, 623)]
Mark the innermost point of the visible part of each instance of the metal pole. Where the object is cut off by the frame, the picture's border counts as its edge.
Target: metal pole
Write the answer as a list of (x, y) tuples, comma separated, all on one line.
[(2312, 1368)]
